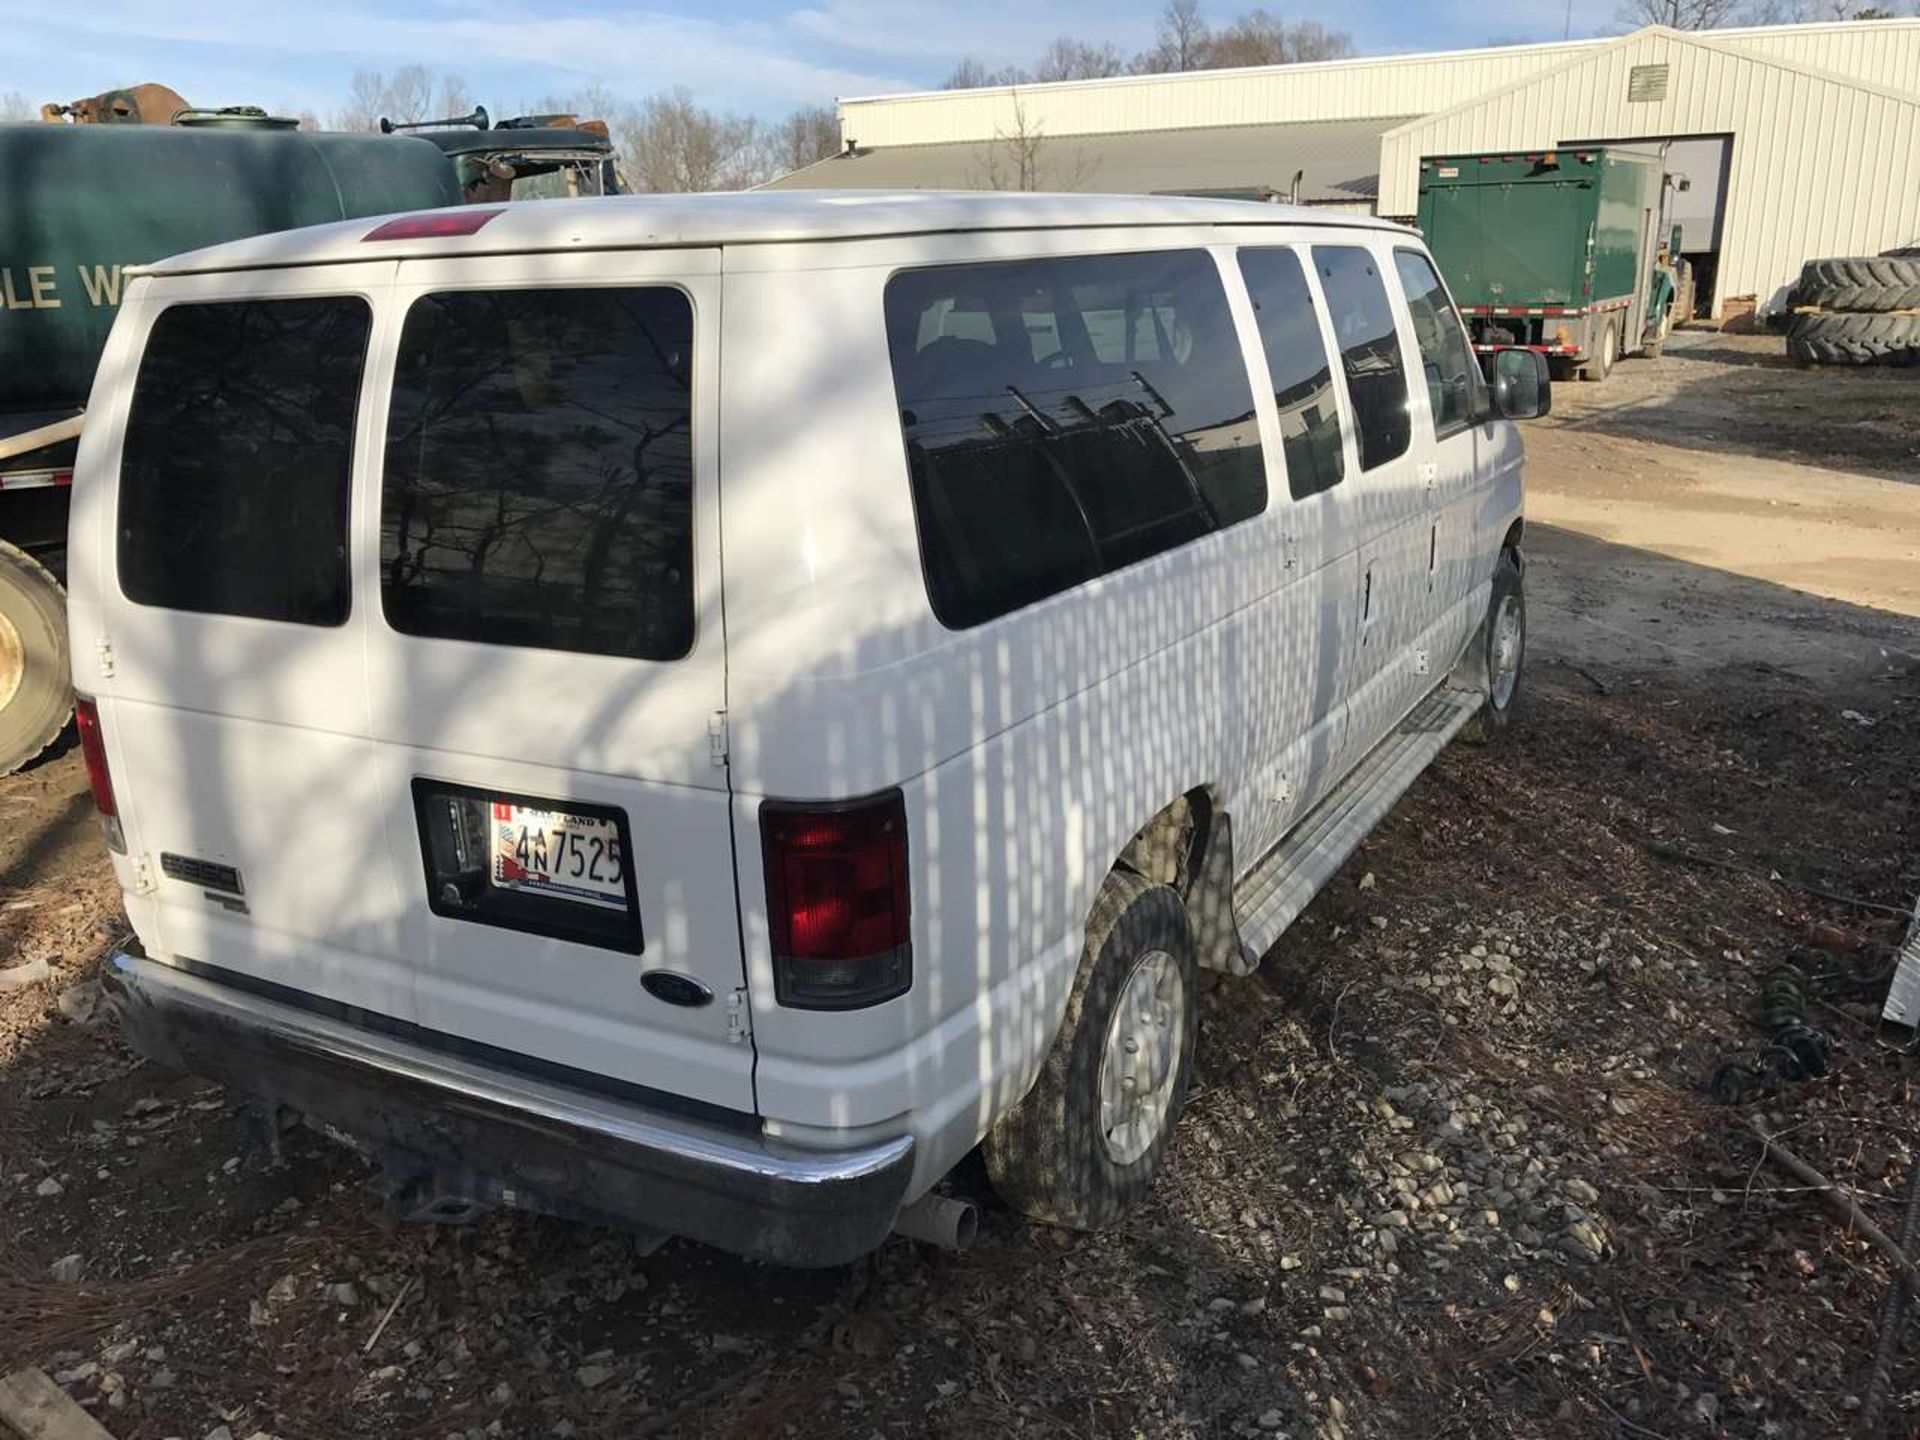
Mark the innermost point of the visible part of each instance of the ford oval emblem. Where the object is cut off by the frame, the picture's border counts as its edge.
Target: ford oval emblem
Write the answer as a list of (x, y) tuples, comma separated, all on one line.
[(676, 989)]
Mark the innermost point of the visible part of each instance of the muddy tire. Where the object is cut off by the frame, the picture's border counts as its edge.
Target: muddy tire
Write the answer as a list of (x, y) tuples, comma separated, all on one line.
[(1083, 1146), (36, 688), (1870, 284), (1855, 339), (1497, 661)]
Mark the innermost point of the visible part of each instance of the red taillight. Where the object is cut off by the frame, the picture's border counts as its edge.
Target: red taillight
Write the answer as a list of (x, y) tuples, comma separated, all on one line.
[(435, 225), (86, 717), (837, 901)]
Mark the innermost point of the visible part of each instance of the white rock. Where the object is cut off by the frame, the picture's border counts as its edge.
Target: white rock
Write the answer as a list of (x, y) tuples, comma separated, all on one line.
[(47, 1188), (67, 1269)]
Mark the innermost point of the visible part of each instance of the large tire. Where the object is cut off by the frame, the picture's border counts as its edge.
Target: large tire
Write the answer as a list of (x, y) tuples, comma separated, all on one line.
[(1601, 365), (1062, 1155), (1855, 339), (1497, 661), (36, 687), (1870, 284)]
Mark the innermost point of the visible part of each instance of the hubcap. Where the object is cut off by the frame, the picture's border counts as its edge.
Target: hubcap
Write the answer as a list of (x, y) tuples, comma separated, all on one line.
[(1144, 1044), (13, 662), (1509, 640)]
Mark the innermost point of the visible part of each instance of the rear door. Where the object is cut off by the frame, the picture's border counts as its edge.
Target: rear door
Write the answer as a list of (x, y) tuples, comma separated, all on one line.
[(546, 663), (227, 636)]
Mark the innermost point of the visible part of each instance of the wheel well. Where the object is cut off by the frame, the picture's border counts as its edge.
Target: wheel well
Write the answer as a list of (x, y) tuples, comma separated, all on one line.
[(1168, 848), (1515, 532)]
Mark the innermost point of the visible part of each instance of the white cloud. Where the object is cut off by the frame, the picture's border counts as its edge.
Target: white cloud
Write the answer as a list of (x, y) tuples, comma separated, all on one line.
[(937, 33)]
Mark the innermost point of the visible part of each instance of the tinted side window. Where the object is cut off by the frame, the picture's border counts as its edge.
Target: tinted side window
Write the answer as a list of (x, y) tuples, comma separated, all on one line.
[(239, 449), (1065, 418), (1444, 357), (539, 474), (1297, 362), (1369, 349)]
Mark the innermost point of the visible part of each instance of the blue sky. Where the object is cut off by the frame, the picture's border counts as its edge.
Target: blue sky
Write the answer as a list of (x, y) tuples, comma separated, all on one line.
[(757, 56)]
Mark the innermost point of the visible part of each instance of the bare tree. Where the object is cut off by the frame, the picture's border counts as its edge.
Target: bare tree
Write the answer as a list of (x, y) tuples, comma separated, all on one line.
[(1023, 158), (1070, 59), (673, 144), (810, 133), (310, 121), (971, 74), (1180, 40), (407, 97), (1681, 14), (16, 107), (453, 99), (1261, 38)]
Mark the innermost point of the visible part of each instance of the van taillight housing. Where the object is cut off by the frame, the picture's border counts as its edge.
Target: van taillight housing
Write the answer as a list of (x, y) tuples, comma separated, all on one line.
[(837, 901), (93, 746)]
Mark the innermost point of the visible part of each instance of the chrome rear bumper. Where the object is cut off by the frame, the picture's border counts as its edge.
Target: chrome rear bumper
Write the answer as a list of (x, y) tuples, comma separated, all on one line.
[(473, 1132)]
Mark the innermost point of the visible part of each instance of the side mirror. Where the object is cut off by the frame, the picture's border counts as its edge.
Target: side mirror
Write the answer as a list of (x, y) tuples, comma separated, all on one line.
[(1520, 384)]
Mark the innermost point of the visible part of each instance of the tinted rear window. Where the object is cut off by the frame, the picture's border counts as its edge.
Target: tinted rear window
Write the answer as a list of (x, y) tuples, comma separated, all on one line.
[(539, 472), (1065, 418), (1370, 350), (239, 449)]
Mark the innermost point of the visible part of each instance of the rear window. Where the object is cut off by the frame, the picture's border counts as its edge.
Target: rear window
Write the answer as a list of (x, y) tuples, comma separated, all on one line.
[(539, 471), (239, 449), (1369, 349), (1065, 418)]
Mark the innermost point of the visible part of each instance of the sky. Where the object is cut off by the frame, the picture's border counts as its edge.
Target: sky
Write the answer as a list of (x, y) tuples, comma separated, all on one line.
[(757, 57)]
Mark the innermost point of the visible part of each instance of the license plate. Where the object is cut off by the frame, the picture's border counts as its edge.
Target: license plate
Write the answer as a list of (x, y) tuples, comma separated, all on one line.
[(550, 852)]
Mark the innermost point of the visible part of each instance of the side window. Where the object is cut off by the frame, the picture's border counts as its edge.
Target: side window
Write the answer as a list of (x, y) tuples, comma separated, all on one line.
[(1444, 356), (1094, 411), (239, 450), (539, 471), (1302, 374), (1369, 349)]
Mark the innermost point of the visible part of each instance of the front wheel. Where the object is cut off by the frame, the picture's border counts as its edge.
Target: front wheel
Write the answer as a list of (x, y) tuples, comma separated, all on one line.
[(1502, 652), (36, 687), (1082, 1147)]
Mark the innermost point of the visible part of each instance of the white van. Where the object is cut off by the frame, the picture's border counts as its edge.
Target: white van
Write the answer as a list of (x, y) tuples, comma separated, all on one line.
[(695, 712)]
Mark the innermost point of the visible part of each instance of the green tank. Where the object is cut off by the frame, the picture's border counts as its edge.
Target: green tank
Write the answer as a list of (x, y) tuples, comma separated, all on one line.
[(84, 201)]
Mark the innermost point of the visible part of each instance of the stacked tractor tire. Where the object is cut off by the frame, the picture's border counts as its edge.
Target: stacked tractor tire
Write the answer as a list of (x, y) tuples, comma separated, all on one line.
[(1857, 310)]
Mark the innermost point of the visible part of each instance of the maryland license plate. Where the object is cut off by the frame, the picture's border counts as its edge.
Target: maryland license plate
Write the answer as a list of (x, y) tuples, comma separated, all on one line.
[(550, 852)]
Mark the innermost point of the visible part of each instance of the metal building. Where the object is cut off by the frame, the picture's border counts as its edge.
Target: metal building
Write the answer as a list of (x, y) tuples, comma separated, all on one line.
[(1798, 140)]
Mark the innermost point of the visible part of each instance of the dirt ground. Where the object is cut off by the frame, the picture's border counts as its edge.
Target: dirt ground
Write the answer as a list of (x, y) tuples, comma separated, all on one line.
[(1455, 1169)]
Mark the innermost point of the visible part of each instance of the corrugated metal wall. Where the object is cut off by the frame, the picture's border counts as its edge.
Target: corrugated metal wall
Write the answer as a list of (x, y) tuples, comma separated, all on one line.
[(1883, 52), (1819, 166)]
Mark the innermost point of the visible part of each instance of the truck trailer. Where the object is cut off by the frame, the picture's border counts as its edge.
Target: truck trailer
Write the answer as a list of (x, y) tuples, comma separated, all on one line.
[(1559, 251)]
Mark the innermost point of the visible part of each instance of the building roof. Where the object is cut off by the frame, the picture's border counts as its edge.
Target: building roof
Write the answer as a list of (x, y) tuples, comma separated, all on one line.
[(1335, 160), (623, 222)]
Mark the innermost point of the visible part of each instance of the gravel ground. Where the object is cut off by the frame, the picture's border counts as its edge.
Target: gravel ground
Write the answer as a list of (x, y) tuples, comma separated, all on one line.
[(1451, 1165)]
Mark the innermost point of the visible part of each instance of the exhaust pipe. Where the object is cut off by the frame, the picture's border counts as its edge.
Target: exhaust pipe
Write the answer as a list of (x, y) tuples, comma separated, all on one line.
[(939, 1220)]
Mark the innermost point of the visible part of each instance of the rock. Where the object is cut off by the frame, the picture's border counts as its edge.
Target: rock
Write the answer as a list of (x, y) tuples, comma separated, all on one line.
[(1272, 1419), (1255, 1306), (48, 1188), (1581, 1191), (162, 1379), (67, 1269), (1511, 1284), (19, 977), (592, 1377), (1333, 1295), (1503, 986), (1245, 1361), (343, 1293), (78, 1375), (78, 1002), (501, 1394), (220, 1432), (283, 1290), (121, 1353)]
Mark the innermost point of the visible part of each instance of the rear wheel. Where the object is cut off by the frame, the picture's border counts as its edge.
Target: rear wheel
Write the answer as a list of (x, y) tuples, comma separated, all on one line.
[(1082, 1147), (36, 691), (1601, 365)]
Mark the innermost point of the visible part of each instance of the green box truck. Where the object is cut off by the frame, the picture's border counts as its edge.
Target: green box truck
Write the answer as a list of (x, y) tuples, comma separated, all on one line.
[(1559, 251)]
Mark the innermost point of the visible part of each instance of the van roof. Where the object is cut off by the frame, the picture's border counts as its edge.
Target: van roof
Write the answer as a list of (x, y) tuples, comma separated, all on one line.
[(752, 217)]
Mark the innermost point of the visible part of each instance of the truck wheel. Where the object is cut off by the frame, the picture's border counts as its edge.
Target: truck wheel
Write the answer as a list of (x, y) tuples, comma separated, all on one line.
[(1082, 1147), (1855, 339), (36, 688), (1601, 365), (1873, 283), (1500, 653)]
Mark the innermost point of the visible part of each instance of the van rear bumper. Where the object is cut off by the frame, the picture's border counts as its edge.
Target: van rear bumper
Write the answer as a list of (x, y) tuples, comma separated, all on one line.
[(449, 1127)]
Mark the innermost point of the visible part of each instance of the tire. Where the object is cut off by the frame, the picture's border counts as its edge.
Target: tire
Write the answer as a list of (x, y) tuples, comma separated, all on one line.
[(36, 688), (1488, 661), (1051, 1156), (1863, 284), (1601, 365), (1855, 339)]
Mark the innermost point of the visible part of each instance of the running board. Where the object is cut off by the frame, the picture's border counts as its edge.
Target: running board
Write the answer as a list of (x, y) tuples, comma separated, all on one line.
[(1281, 883)]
